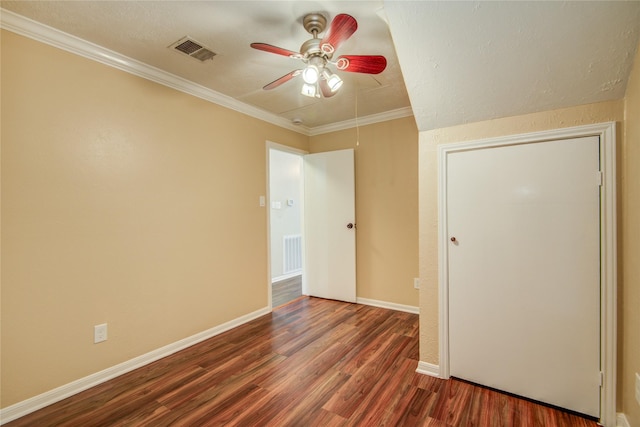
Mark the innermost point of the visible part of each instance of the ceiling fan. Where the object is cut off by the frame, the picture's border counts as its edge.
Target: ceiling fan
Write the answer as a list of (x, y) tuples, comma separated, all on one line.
[(317, 54)]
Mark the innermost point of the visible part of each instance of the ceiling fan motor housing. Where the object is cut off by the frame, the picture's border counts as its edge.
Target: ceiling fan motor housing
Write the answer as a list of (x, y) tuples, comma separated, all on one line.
[(314, 23), (311, 48)]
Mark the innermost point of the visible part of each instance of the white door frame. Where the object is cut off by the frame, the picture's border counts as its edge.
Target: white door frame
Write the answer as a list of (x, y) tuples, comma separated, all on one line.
[(608, 242), (275, 146)]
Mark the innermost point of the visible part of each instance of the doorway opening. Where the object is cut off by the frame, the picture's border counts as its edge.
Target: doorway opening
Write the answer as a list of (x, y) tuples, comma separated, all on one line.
[(285, 204)]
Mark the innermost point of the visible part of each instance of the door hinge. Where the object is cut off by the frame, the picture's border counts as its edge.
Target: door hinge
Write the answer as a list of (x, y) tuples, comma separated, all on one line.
[(601, 378), (599, 178)]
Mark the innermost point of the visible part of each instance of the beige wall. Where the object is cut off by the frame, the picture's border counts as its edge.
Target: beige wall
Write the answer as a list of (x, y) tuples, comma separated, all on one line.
[(130, 203), (116, 207), (428, 170), (124, 202), (629, 291), (386, 157)]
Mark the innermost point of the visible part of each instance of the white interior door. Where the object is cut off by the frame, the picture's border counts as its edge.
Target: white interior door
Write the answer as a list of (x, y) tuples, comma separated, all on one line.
[(524, 270), (329, 225)]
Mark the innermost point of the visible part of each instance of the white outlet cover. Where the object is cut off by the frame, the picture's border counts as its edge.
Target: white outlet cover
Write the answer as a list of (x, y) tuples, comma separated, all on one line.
[(638, 388), (99, 333)]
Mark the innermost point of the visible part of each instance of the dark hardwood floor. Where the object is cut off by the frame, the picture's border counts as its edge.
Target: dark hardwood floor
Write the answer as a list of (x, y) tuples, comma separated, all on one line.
[(312, 362), (285, 291)]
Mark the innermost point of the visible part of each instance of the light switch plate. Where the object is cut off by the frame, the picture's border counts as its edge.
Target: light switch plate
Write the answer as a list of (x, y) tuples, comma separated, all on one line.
[(638, 388)]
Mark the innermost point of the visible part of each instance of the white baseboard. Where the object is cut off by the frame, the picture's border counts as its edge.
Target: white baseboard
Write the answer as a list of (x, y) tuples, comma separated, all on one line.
[(286, 276), (389, 305), (28, 406), (428, 369), (622, 421)]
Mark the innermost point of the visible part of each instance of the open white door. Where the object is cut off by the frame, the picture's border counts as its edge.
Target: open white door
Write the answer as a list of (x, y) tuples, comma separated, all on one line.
[(329, 225)]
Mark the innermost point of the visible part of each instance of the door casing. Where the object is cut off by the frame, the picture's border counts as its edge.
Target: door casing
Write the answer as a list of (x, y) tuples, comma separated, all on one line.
[(347, 274), (608, 255), (275, 146)]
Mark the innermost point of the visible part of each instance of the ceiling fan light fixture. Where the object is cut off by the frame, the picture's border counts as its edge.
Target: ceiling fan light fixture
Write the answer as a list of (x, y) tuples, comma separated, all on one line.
[(317, 53), (310, 74), (333, 80), (309, 90)]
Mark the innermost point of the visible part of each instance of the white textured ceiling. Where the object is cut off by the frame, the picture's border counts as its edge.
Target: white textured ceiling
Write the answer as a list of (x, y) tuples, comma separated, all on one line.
[(462, 61), (470, 61), (144, 29)]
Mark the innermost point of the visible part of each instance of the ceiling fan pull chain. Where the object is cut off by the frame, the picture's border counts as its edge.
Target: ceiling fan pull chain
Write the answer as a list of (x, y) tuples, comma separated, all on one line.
[(357, 125)]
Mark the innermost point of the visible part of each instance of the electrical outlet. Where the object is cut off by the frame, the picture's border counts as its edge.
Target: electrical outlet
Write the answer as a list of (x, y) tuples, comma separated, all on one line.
[(416, 283), (638, 388), (99, 333)]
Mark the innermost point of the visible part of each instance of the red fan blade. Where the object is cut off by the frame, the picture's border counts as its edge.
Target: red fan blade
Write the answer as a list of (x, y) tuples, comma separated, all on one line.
[(274, 49), (370, 64), (341, 28), (325, 89), (274, 84)]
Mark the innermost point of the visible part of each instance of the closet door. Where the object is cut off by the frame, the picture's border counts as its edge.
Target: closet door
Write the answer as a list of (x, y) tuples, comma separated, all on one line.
[(524, 270)]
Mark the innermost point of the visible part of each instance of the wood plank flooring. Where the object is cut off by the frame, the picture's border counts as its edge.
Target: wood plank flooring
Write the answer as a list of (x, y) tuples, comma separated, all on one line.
[(312, 362), (285, 291)]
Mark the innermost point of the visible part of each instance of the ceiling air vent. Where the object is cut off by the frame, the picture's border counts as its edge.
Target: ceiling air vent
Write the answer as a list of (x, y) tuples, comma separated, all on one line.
[(192, 48)]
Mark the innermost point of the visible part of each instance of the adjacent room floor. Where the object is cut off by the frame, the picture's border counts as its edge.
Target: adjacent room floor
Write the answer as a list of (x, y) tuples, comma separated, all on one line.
[(284, 291)]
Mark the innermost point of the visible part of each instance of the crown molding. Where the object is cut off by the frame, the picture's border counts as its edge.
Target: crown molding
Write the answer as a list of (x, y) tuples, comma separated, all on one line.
[(362, 121), (43, 33), (26, 27)]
